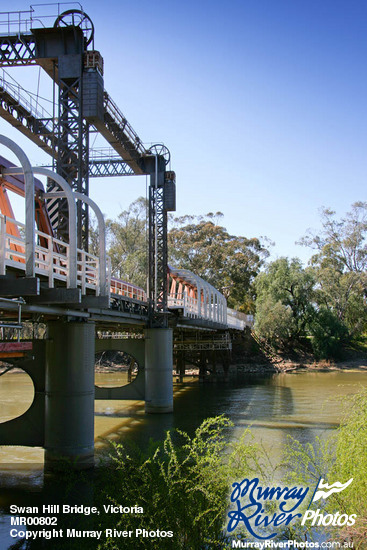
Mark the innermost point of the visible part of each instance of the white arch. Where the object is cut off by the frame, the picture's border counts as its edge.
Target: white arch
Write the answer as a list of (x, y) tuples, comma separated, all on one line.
[(215, 304), (68, 194), (102, 242), (30, 244), (102, 234)]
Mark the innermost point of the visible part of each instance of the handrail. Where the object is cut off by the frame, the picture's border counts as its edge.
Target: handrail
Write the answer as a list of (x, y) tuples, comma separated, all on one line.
[(112, 109), (68, 193), (123, 288), (24, 23), (101, 227), (17, 92), (48, 261), (54, 263), (72, 217)]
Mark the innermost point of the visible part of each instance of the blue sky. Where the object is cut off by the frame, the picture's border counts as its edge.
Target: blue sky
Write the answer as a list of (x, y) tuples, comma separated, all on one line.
[(262, 104)]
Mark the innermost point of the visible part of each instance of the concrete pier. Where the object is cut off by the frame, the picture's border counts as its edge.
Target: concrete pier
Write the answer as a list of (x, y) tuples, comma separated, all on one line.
[(158, 370), (69, 410)]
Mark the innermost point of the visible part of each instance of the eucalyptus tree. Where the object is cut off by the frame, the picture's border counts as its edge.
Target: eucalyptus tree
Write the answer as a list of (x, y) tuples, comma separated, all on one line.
[(228, 262), (340, 265), (127, 243), (284, 302)]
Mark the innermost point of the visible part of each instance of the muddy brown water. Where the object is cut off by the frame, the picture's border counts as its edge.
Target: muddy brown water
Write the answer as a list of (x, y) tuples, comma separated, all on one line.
[(301, 404)]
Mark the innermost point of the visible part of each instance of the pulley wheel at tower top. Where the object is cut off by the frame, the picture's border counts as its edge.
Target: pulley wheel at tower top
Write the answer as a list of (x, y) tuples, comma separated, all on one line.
[(160, 150), (77, 18)]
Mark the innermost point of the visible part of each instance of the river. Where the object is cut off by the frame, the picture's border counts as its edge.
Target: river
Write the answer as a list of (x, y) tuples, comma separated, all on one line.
[(301, 404)]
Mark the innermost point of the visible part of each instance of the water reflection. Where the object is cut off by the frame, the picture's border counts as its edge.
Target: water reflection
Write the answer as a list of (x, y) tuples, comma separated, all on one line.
[(303, 405)]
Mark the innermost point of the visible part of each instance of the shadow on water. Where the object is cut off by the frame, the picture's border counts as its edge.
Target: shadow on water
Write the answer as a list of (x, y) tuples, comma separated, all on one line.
[(302, 405)]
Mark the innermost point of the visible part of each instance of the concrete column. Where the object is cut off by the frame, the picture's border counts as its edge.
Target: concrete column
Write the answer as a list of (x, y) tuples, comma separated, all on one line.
[(69, 418), (158, 370)]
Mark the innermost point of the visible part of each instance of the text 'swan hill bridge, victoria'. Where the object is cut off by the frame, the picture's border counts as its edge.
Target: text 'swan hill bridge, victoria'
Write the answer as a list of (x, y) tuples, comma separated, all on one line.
[(46, 271)]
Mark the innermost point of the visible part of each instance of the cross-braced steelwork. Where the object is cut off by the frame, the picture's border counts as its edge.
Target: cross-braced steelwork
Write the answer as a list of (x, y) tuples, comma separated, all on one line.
[(120, 134), (61, 51), (17, 50), (161, 200), (157, 254), (72, 158), (20, 109), (99, 168), (105, 162), (41, 261)]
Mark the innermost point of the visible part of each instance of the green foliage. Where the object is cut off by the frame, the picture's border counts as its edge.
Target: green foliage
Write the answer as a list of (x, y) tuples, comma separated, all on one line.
[(228, 262), (342, 242), (351, 455), (339, 265), (284, 302), (183, 485), (128, 243), (343, 294), (93, 236), (274, 324), (327, 334), (328, 299), (338, 458)]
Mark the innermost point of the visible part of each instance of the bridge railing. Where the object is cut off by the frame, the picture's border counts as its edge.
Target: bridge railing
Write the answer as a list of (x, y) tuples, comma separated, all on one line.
[(193, 309), (51, 256), (12, 250), (196, 309), (123, 288), (15, 22), (239, 320), (52, 260), (25, 99), (182, 301), (87, 271), (117, 116)]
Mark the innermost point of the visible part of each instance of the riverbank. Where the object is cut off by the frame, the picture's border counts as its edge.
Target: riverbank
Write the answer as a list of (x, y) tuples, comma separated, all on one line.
[(250, 357), (281, 364)]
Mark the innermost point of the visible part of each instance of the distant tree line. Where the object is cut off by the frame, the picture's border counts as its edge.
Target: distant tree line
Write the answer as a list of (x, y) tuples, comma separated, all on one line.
[(324, 302), (322, 305)]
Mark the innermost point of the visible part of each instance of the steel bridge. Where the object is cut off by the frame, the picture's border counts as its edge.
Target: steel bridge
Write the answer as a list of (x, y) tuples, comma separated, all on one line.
[(46, 269)]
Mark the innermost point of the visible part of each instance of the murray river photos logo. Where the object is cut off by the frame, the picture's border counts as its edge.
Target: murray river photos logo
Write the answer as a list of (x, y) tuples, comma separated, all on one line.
[(251, 503)]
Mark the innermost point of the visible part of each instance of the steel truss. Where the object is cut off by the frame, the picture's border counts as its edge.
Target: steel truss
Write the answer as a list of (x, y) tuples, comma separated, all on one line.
[(72, 157), (62, 52), (18, 50), (224, 343), (133, 307), (39, 130), (158, 254), (201, 346), (101, 168)]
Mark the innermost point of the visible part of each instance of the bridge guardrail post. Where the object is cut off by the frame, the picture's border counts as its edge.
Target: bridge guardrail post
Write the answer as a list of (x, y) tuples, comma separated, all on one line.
[(50, 262), (2, 244)]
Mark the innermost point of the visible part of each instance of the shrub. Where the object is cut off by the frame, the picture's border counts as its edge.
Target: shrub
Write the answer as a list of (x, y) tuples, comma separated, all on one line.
[(183, 485), (327, 334), (274, 324)]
